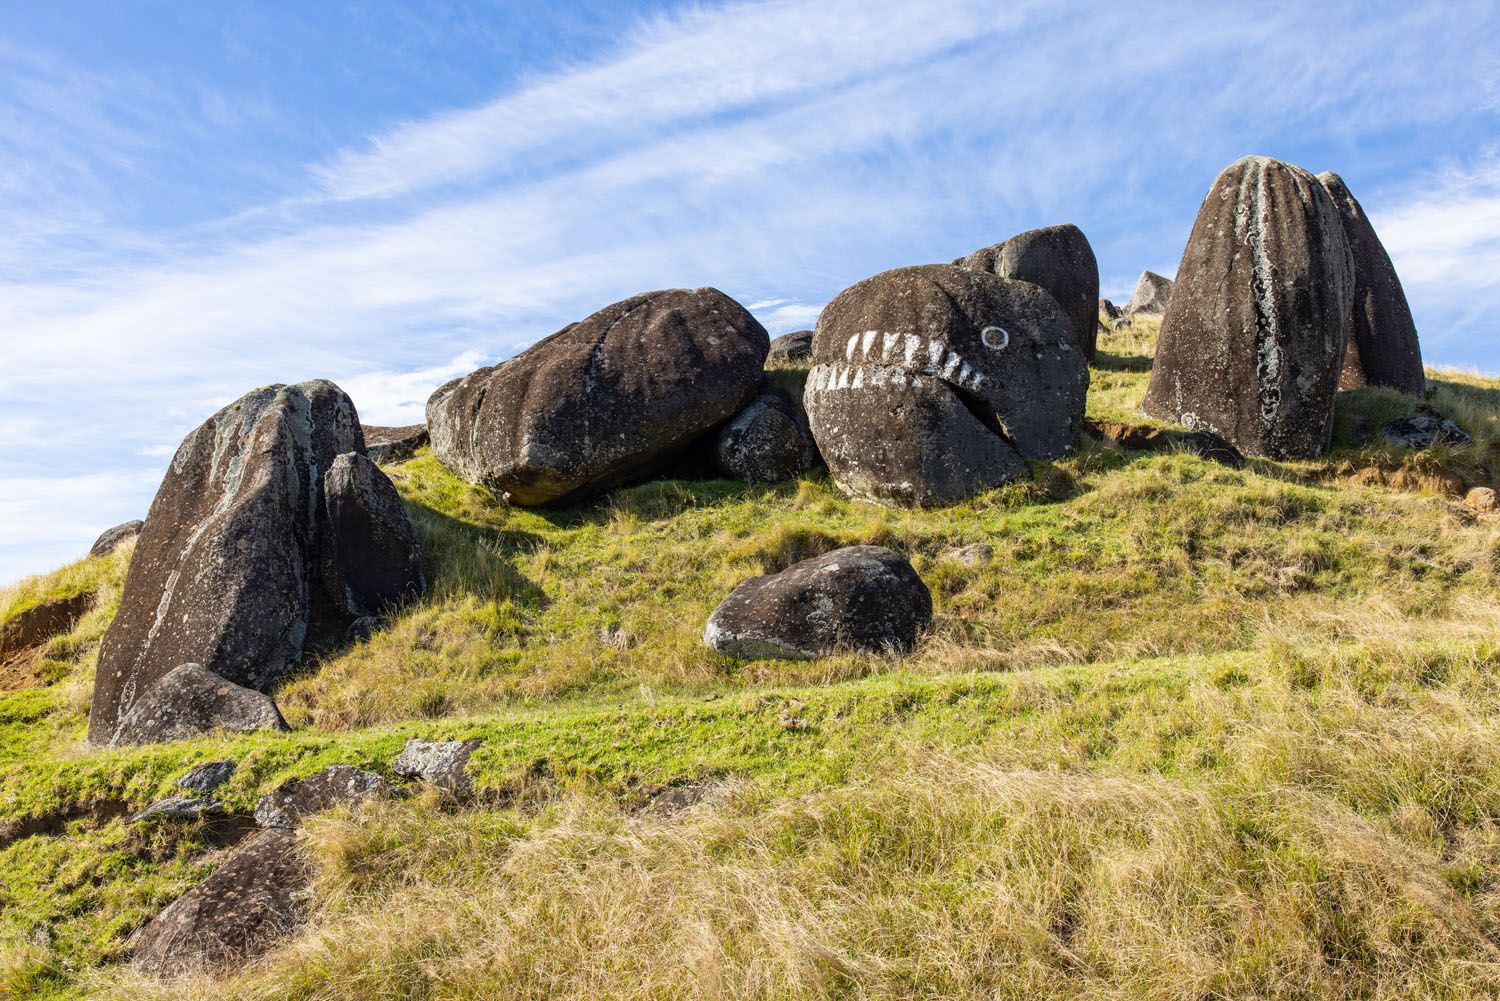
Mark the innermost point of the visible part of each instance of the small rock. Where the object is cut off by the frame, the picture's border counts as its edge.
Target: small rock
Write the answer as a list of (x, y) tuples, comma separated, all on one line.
[(1424, 432), (190, 701), (289, 802), (236, 915), (767, 442), (113, 538), (441, 762), (176, 808), (1481, 499), (1120, 323), (207, 777), (972, 555), (860, 598), (43, 621), (386, 445), (791, 350)]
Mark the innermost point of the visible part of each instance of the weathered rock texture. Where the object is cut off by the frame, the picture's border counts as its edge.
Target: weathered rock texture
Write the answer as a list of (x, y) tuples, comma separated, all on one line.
[(222, 571), (371, 557), (859, 598), (603, 401), (289, 802), (112, 538), (42, 621), (767, 442), (1108, 310), (1424, 432), (444, 763), (176, 809), (1151, 295), (386, 444), (1058, 259), (237, 914), (790, 350), (207, 777), (931, 384), (1383, 348), (1253, 339), (190, 701)]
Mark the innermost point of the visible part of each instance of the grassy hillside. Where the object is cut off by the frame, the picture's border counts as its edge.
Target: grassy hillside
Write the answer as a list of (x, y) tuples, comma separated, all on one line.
[(1191, 732)]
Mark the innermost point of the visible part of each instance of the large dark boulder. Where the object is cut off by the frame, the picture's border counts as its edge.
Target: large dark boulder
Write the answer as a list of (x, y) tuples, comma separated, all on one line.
[(767, 442), (371, 557), (1058, 259), (931, 384), (222, 571), (792, 350), (42, 621), (387, 444), (288, 803), (1151, 295), (113, 538), (1383, 348), (235, 915), (1253, 340), (603, 401), (190, 701), (864, 598)]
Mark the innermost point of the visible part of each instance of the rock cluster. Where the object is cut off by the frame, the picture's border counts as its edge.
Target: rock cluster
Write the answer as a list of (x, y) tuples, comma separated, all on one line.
[(289, 802)]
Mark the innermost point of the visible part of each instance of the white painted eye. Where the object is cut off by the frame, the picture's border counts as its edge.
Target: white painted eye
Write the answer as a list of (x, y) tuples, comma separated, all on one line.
[(995, 338)]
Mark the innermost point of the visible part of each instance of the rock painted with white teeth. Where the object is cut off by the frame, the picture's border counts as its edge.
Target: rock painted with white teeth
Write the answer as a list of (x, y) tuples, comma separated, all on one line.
[(1253, 339), (1059, 260), (931, 384)]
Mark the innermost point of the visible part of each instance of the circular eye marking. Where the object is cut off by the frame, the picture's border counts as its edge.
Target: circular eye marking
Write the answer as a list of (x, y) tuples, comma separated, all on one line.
[(995, 338)]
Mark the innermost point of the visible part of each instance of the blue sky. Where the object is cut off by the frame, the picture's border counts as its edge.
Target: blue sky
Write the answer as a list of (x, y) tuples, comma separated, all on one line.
[(199, 198)]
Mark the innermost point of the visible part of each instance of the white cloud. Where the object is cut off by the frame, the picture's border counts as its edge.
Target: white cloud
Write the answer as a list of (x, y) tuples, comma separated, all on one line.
[(46, 520), (400, 398)]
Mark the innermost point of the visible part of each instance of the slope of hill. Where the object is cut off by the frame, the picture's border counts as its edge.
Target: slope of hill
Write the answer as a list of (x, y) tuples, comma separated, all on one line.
[(1184, 731)]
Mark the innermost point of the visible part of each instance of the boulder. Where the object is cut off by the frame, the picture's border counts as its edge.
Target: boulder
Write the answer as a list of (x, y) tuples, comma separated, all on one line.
[(1145, 438), (222, 571), (767, 442), (1108, 310), (1383, 348), (177, 809), (385, 445), (601, 402), (112, 538), (190, 701), (792, 350), (371, 557), (289, 802), (444, 763), (1253, 339), (864, 598), (1425, 432), (1059, 260), (1151, 295), (931, 384), (205, 778), (39, 623), (257, 897)]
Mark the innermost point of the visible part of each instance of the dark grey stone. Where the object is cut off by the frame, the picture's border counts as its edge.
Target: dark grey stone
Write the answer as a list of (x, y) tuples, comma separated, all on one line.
[(289, 802), (112, 538), (371, 557), (362, 628), (1425, 432), (1057, 259), (792, 350), (444, 763), (177, 808), (205, 778), (190, 701), (1108, 309), (767, 442), (386, 445)]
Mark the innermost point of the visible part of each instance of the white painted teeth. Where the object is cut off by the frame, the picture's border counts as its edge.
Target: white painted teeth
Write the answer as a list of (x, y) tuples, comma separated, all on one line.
[(950, 364), (888, 342), (868, 339), (849, 351), (894, 359), (913, 345)]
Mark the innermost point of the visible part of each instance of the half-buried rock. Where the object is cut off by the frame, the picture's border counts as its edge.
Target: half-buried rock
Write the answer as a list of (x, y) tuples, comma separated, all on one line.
[(1383, 348), (288, 803), (190, 701), (792, 350), (1058, 259), (222, 570), (931, 384), (767, 442), (393, 444), (864, 598), (604, 401), (1253, 340), (239, 913), (371, 557)]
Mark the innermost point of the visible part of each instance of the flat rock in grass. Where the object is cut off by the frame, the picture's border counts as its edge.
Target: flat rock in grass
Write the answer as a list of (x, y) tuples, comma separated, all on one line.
[(176, 808), (43, 621), (931, 384), (386, 444), (605, 401), (1252, 343), (256, 898), (1425, 432), (1145, 438), (864, 598), (112, 538), (1057, 259), (1151, 296), (371, 556), (190, 701), (289, 802), (973, 555), (791, 350), (1383, 349), (444, 763), (767, 442), (205, 778)]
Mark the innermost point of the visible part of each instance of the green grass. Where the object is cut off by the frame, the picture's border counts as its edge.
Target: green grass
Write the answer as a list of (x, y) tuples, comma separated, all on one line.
[(1193, 732)]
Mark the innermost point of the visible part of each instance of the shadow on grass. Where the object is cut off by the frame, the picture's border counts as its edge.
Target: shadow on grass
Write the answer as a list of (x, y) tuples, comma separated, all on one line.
[(1108, 361)]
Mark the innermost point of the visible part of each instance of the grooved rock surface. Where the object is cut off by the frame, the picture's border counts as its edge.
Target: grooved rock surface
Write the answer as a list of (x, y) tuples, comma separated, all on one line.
[(112, 538), (1151, 295), (767, 442), (1058, 259), (603, 401), (1383, 348), (222, 571), (289, 802), (444, 763), (237, 914), (190, 701), (386, 444), (931, 384), (859, 598), (43, 621), (371, 557), (1253, 340), (792, 349)]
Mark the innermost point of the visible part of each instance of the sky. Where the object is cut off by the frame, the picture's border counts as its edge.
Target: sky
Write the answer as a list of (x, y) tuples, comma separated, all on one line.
[(197, 199)]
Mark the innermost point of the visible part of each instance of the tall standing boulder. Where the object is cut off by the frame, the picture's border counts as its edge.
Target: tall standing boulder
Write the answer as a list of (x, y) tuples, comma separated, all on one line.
[(222, 569), (1253, 339), (1383, 348), (933, 383), (603, 401), (371, 557), (1151, 295), (1058, 259)]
